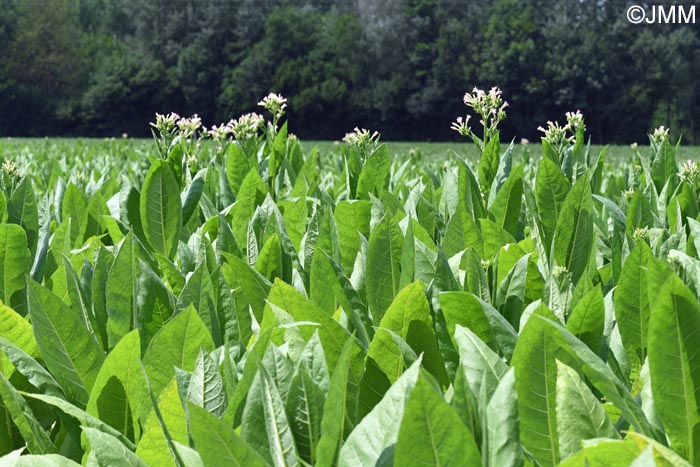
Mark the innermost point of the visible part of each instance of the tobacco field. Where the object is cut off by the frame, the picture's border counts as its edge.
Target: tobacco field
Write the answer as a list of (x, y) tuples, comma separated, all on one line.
[(230, 299)]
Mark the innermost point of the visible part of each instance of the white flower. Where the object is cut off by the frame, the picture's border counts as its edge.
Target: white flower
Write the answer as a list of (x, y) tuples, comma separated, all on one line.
[(461, 125), (79, 176), (640, 234), (275, 104), (165, 123), (189, 126), (689, 171), (524, 141), (10, 168), (634, 146), (660, 135), (559, 272), (575, 121), (555, 134), (489, 105), (219, 133), (361, 137), (674, 256), (246, 126)]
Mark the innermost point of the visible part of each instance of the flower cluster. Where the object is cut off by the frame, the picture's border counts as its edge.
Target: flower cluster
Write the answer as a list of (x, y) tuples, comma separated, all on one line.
[(640, 234), (275, 104), (461, 125), (490, 105), (559, 136), (246, 126), (361, 137), (166, 124), (689, 172), (10, 168), (189, 126), (219, 133), (556, 135), (560, 272), (660, 135), (363, 140), (574, 120)]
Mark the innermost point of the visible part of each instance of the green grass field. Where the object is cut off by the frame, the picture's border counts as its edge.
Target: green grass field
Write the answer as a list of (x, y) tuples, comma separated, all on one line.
[(130, 147)]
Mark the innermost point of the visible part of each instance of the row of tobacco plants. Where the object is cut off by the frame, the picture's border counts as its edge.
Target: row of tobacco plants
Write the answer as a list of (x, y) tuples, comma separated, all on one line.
[(233, 300)]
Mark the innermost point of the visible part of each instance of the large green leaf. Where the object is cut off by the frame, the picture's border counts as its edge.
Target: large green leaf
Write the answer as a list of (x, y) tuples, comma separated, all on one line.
[(379, 430), (110, 451), (674, 365), (467, 310), (177, 344), (265, 424), (374, 176), (166, 424), (22, 210), (502, 439), (551, 188), (481, 365), (218, 443), (432, 434), (74, 206), (115, 397), (573, 237), (535, 383), (340, 407), (161, 209), (632, 303), (587, 319), (70, 350), (305, 411), (352, 219), (409, 305), (383, 266), (580, 415), (34, 435), (508, 202), (17, 330), (15, 262), (206, 386), (121, 289)]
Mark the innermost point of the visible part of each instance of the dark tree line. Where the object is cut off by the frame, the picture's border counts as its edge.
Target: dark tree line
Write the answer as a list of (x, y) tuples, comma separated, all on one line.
[(103, 67)]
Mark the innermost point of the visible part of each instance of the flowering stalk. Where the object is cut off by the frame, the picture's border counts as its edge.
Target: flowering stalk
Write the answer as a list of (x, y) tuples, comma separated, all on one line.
[(10, 176), (166, 128), (364, 142), (276, 105), (491, 107)]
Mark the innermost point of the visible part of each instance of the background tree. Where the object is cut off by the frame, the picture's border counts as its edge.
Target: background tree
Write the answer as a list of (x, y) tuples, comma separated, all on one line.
[(103, 67)]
